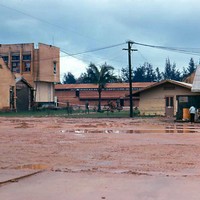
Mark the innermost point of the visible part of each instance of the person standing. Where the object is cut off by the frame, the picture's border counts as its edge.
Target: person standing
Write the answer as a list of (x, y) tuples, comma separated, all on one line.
[(192, 111), (87, 107)]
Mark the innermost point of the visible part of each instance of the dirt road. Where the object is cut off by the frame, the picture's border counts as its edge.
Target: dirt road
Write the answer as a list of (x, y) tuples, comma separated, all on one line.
[(149, 147)]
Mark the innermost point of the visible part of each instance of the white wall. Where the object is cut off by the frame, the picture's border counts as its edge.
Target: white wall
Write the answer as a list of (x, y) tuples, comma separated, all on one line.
[(44, 92)]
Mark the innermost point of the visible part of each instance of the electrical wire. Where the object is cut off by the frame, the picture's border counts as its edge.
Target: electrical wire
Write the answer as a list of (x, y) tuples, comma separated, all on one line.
[(99, 49), (142, 56), (90, 51), (68, 54), (46, 22), (175, 49), (62, 50)]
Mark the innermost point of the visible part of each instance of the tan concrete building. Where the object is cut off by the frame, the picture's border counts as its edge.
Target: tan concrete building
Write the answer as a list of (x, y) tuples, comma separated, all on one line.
[(7, 85), (38, 68), (161, 98)]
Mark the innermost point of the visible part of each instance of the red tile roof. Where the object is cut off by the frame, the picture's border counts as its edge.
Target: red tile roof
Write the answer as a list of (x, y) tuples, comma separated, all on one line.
[(109, 85), (182, 84)]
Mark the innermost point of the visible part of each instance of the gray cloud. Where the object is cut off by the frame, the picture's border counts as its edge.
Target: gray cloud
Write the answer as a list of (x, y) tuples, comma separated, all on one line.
[(80, 25)]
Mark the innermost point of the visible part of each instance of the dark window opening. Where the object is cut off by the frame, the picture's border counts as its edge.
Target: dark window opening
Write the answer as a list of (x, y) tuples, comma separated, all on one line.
[(54, 67), (15, 57), (77, 93), (16, 67), (5, 59), (26, 66), (27, 57)]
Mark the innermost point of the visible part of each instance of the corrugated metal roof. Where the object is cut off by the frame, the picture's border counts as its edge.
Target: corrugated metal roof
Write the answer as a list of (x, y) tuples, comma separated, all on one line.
[(196, 82)]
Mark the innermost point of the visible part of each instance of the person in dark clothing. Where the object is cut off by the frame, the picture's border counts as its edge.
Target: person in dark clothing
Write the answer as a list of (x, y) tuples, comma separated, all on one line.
[(87, 107), (192, 111)]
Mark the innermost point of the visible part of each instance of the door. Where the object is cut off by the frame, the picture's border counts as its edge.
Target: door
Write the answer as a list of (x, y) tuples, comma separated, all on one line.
[(169, 106), (23, 97)]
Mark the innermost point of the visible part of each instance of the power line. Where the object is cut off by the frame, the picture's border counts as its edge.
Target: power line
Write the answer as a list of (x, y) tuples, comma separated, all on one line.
[(90, 51), (146, 60), (99, 49), (45, 21), (175, 49), (55, 25)]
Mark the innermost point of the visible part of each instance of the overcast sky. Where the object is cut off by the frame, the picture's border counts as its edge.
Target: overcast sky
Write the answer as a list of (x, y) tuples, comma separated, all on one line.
[(80, 25)]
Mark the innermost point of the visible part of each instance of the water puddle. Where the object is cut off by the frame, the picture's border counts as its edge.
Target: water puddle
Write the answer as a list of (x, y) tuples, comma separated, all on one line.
[(167, 129), (33, 167), (141, 131)]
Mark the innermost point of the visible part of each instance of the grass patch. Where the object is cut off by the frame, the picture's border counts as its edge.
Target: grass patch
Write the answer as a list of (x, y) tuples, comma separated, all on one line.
[(64, 113)]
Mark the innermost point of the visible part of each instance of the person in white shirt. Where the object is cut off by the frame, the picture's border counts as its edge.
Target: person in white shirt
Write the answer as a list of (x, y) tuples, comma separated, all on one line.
[(192, 111)]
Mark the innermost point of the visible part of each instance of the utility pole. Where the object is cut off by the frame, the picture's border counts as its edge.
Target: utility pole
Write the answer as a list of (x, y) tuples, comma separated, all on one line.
[(130, 43)]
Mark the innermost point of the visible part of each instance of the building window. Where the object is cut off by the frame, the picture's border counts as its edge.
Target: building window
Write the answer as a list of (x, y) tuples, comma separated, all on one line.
[(15, 66), (54, 67), (26, 66), (27, 57), (15, 57), (5, 59)]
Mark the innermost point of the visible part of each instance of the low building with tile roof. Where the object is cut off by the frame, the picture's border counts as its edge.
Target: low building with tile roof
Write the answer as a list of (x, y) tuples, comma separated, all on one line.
[(78, 94)]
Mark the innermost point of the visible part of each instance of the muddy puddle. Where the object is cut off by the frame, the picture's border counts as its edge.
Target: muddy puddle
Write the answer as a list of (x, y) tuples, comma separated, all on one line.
[(80, 132)]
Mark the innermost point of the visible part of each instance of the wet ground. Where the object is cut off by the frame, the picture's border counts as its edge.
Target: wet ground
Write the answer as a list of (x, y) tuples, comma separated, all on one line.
[(72, 155)]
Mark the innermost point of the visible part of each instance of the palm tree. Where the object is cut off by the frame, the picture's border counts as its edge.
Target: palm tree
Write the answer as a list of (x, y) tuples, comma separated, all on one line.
[(100, 76)]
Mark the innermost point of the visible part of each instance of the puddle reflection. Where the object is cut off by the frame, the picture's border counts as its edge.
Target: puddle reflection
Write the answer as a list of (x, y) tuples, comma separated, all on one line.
[(167, 129), (32, 166)]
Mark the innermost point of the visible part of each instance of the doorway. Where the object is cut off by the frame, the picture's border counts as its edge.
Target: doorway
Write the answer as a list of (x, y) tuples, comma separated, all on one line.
[(169, 106), (23, 96)]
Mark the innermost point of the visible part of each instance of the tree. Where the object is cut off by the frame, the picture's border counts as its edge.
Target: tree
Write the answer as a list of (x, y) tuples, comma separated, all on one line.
[(158, 75), (167, 72), (83, 78), (176, 75), (125, 74), (191, 68), (100, 76), (143, 73), (184, 73), (68, 78), (150, 75), (171, 72), (139, 74)]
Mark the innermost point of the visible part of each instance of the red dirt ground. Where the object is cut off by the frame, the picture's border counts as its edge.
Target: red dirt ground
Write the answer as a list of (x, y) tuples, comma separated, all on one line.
[(123, 146), (92, 159)]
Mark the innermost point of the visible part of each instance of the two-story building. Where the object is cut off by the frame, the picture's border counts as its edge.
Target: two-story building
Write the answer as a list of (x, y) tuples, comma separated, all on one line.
[(24, 66)]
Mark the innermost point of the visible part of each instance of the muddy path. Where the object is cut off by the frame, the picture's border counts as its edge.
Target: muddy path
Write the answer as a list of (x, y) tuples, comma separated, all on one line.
[(117, 146)]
